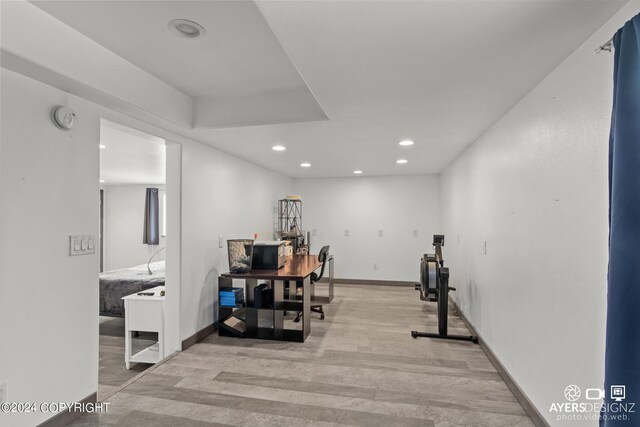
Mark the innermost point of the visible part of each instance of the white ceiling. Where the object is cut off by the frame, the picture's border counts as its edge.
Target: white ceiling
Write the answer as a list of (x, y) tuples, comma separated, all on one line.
[(239, 58), (130, 156), (437, 72)]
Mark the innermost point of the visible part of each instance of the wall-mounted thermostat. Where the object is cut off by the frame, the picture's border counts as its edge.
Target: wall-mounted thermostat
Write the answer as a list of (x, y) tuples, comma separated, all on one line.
[(64, 117)]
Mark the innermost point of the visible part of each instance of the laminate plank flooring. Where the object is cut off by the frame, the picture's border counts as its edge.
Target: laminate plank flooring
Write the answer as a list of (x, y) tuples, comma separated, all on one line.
[(111, 369), (360, 367)]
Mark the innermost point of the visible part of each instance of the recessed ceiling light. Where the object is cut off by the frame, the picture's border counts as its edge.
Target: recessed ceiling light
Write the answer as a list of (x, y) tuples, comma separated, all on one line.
[(102, 146), (278, 148), (305, 165), (401, 161), (357, 172), (102, 180), (186, 29), (406, 142)]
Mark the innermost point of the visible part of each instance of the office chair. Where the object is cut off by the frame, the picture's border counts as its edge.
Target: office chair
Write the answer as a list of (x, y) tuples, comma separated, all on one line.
[(317, 308)]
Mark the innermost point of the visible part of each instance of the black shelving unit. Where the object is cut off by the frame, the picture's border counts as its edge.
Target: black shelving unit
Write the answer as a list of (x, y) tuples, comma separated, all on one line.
[(252, 316), (289, 217)]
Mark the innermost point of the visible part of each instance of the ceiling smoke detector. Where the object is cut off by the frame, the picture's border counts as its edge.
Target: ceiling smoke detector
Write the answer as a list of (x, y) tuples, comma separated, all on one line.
[(186, 29)]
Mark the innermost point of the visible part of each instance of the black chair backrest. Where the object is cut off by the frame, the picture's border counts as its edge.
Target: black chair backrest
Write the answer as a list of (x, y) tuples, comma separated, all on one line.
[(322, 257)]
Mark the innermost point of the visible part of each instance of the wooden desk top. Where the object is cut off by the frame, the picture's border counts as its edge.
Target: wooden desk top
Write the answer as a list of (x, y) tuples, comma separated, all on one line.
[(296, 267)]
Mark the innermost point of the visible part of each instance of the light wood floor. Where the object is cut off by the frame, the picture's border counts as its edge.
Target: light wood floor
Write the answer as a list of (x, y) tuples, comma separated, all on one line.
[(111, 369), (359, 366)]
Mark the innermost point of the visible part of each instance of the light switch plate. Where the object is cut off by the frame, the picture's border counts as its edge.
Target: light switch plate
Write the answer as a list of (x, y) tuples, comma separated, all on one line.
[(380, 233), (3, 392), (82, 245), (346, 233)]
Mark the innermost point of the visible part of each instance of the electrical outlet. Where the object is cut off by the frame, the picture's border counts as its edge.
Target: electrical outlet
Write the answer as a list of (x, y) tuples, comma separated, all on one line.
[(3, 392), (220, 242), (375, 266), (314, 233), (380, 233), (415, 233)]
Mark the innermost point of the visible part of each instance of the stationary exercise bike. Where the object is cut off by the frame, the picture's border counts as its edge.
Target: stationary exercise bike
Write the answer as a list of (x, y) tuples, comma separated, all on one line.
[(434, 287)]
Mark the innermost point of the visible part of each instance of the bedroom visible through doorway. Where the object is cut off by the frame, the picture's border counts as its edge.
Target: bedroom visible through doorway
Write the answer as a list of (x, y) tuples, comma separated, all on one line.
[(133, 202)]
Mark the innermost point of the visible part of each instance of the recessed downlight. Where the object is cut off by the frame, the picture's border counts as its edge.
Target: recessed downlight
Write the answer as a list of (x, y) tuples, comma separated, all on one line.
[(102, 146), (278, 148), (401, 161), (186, 29), (305, 165), (406, 142), (101, 181), (357, 172)]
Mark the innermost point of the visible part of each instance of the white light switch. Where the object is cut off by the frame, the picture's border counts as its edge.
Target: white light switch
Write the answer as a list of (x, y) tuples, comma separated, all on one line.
[(82, 245), (346, 233)]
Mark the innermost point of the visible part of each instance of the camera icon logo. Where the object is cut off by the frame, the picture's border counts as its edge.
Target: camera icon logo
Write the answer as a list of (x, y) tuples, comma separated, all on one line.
[(594, 394)]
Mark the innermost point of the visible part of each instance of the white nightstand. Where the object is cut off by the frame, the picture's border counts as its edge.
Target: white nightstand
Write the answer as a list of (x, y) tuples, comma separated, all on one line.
[(144, 313)]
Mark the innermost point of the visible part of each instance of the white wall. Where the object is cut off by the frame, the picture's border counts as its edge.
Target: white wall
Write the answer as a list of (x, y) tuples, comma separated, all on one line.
[(397, 205), (48, 300), (534, 187), (123, 227), (221, 196), (49, 190)]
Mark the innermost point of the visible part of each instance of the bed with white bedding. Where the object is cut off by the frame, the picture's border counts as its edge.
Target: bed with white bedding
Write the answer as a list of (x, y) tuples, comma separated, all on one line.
[(119, 283)]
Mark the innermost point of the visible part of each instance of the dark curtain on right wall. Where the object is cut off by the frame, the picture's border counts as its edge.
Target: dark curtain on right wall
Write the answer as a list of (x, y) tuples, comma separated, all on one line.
[(622, 359), (151, 232)]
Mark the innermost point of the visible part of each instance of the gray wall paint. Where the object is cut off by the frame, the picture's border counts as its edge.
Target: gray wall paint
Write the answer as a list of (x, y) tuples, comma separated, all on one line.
[(534, 187), (397, 205), (48, 299), (123, 225)]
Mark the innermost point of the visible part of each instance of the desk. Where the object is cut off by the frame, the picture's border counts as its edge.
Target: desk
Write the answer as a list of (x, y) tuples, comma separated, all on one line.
[(297, 270), (145, 314)]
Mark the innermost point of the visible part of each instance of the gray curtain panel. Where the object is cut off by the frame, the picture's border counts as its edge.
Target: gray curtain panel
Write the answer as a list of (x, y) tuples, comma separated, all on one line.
[(151, 234)]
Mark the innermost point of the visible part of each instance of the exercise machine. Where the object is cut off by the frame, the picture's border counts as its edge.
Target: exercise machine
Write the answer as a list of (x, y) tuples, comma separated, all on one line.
[(434, 287)]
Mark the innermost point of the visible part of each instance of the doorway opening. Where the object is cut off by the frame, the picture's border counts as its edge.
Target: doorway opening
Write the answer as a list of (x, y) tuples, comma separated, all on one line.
[(135, 229)]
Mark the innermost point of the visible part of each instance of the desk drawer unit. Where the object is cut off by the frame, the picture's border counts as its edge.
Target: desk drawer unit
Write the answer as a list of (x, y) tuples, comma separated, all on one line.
[(144, 316)]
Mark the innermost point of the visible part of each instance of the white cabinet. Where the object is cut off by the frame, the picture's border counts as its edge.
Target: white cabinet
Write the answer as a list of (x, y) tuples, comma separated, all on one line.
[(144, 313)]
